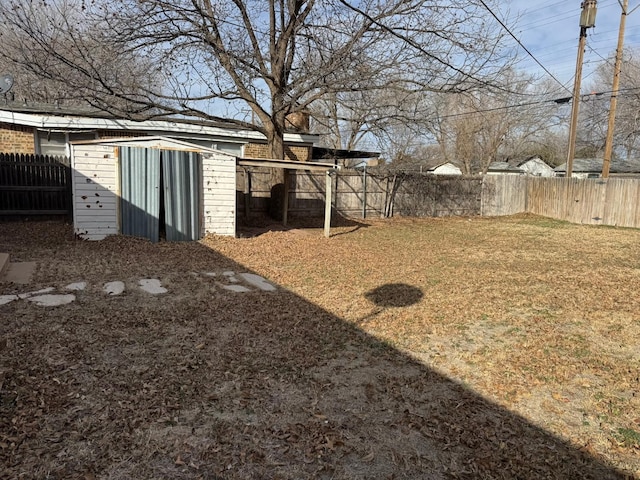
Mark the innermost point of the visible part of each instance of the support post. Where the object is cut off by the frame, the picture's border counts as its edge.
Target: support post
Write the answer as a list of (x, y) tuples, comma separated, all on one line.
[(364, 191), (575, 103), (587, 20), (247, 194), (608, 146), (327, 205), (285, 200)]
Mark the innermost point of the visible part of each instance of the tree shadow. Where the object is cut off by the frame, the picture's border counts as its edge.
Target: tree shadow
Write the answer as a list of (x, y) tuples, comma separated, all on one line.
[(204, 382), (395, 295)]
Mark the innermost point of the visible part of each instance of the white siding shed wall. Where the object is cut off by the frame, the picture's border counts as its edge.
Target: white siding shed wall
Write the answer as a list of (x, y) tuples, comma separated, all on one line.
[(219, 192), (94, 189)]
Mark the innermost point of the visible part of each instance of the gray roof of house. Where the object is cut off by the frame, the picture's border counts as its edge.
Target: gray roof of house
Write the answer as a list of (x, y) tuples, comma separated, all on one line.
[(64, 110), (594, 165), (503, 167)]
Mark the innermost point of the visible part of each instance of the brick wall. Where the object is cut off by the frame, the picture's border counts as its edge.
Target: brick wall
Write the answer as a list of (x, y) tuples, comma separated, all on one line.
[(292, 152), (16, 139)]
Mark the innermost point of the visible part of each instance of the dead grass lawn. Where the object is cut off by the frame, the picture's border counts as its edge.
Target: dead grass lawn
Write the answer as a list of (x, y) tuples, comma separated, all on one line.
[(435, 348)]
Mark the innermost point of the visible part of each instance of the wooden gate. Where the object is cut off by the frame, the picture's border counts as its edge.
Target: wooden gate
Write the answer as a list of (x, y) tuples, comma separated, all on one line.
[(34, 185)]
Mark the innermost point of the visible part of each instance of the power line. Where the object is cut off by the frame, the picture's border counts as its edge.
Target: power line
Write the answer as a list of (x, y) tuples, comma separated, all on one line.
[(522, 45), (557, 101)]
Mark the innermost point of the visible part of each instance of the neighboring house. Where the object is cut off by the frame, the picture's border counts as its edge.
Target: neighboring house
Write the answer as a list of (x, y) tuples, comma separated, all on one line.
[(536, 167), (592, 168), (504, 168), (446, 168), (48, 130)]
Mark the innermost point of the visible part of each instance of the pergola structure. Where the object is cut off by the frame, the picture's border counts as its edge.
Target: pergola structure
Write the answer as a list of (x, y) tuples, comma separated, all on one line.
[(288, 165)]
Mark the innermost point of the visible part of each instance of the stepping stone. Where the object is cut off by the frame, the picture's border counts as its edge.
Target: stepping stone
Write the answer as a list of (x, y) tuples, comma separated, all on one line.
[(258, 282), (4, 299), (37, 292), (231, 276), (19, 272), (114, 288), (152, 286), (78, 286), (236, 288), (52, 300)]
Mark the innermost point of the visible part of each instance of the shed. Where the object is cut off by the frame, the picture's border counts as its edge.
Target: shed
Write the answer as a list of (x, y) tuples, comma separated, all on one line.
[(149, 185)]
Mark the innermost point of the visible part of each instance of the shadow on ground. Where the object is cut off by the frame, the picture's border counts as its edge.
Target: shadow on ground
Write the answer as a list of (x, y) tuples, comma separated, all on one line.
[(204, 383), (260, 224)]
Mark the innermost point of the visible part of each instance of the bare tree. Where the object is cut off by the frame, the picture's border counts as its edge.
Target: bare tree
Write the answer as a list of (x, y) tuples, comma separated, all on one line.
[(478, 127), (593, 119), (276, 56), (31, 34)]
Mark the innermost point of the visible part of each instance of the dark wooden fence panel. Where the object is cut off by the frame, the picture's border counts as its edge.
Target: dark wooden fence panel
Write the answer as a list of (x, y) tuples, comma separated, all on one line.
[(34, 185)]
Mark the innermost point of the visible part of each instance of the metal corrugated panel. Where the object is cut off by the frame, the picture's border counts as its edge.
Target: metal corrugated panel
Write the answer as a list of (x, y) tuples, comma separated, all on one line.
[(182, 180), (140, 192)]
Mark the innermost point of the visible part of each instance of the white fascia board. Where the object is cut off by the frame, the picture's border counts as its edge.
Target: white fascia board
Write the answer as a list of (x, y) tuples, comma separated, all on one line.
[(83, 123)]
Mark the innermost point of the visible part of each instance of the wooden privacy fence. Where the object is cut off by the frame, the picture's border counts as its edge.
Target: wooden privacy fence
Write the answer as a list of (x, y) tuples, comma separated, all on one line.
[(591, 201), (360, 194), (34, 185)]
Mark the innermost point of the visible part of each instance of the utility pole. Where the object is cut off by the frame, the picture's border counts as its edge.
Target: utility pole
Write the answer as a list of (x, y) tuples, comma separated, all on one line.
[(587, 20), (608, 146)]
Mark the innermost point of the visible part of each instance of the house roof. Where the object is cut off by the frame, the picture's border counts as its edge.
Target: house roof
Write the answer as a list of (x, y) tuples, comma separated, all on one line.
[(51, 117), (441, 164), (503, 167), (594, 165), (528, 159)]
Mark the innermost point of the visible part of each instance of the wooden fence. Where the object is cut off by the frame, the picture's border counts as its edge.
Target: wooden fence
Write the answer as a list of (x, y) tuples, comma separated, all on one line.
[(591, 201), (356, 194), (34, 185), (614, 201)]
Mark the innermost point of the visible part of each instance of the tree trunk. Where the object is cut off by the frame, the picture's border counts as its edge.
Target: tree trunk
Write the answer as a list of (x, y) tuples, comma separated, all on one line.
[(275, 142)]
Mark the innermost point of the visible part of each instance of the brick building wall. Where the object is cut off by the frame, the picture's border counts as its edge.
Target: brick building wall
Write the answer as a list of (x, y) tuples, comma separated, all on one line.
[(16, 139), (295, 153)]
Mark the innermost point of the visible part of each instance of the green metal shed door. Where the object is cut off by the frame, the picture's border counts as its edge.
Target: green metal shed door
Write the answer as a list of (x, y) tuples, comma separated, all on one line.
[(182, 180), (140, 192)]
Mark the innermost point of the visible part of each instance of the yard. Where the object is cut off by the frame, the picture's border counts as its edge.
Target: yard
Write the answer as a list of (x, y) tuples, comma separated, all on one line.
[(404, 348)]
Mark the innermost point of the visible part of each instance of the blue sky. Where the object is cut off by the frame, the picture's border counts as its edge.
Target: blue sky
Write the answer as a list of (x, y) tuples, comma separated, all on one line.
[(550, 30)]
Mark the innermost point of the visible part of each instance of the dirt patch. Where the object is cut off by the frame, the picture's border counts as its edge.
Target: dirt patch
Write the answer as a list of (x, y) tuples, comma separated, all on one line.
[(511, 354)]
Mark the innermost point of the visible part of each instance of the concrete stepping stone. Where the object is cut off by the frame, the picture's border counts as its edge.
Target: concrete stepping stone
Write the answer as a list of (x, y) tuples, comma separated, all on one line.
[(114, 288), (19, 272), (236, 288), (52, 300), (258, 282), (152, 286), (231, 276), (77, 286), (4, 299), (37, 292)]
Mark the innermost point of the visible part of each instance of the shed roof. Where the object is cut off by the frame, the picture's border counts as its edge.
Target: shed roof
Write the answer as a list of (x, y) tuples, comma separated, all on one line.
[(156, 142)]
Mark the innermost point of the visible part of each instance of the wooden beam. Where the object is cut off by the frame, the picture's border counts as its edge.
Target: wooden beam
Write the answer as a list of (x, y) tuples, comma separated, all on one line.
[(327, 205), (285, 200), (247, 193)]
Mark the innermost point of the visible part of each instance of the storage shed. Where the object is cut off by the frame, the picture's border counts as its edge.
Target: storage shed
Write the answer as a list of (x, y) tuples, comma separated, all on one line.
[(152, 186)]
